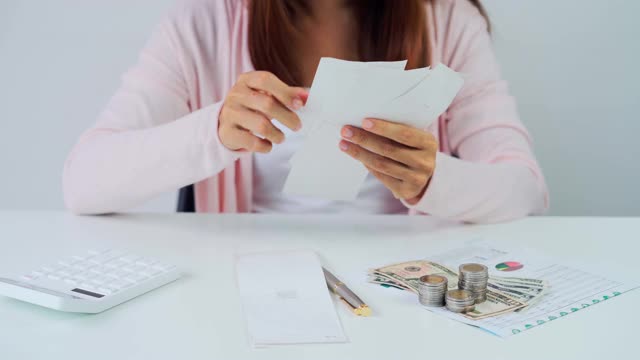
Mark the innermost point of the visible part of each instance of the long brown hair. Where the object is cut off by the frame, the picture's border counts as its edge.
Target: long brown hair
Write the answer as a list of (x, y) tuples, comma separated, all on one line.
[(388, 30)]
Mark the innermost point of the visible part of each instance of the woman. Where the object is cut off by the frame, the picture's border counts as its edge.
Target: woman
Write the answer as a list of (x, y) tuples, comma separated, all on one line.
[(216, 71)]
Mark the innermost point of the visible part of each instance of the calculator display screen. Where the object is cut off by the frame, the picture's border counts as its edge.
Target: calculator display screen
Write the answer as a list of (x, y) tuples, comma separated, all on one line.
[(87, 292)]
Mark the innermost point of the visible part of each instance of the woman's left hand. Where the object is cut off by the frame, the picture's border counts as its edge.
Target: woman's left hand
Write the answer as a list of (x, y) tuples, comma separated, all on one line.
[(402, 157)]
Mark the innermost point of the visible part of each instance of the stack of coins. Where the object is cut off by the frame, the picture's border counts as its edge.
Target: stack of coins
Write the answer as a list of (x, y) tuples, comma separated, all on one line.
[(460, 301), (473, 278), (431, 290)]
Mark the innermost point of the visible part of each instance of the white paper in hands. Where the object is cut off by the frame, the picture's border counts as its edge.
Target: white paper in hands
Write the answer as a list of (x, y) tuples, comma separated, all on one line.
[(346, 92)]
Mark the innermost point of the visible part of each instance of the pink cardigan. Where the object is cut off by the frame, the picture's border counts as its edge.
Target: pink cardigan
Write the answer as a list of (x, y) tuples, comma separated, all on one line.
[(159, 131)]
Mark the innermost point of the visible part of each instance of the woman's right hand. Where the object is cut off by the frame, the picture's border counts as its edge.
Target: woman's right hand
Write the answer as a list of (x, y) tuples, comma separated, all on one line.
[(255, 99)]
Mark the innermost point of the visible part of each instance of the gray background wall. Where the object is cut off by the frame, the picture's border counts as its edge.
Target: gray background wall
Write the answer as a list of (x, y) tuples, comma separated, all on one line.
[(572, 66)]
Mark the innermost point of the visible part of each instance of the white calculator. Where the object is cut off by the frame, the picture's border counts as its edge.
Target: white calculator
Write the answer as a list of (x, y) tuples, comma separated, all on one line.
[(91, 283)]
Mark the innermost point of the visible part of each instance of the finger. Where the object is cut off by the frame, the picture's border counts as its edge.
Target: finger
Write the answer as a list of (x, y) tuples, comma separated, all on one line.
[(381, 145), (242, 139), (403, 134), (290, 96), (400, 189), (260, 125), (375, 161), (393, 184), (272, 109)]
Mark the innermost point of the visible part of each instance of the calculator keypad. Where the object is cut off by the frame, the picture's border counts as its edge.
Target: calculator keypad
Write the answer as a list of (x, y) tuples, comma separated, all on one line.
[(105, 272)]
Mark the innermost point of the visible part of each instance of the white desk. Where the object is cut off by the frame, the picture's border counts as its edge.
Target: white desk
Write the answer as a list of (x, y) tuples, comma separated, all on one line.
[(199, 317)]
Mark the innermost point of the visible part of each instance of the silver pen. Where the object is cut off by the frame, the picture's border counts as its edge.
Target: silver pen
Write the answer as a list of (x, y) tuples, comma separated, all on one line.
[(346, 295)]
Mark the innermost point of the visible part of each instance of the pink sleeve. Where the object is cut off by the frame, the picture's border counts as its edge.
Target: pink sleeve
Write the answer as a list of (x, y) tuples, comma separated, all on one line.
[(493, 175), (147, 140)]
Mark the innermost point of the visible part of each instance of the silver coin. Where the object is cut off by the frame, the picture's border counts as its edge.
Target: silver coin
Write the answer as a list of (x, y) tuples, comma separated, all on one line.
[(473, 269), (474, 278), (431, 290), (459, 301)]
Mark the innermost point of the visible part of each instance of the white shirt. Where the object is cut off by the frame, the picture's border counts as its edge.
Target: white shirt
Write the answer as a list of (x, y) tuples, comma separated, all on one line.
[(270, 172)]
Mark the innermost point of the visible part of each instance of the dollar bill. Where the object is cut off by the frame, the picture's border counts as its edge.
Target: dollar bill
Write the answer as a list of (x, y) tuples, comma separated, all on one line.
[(392, 284), (526, 292), (377, 279), (537, 282), (524, 295), (519, 285), (523, 292), (504, 294), (496, 304), (409, 272)]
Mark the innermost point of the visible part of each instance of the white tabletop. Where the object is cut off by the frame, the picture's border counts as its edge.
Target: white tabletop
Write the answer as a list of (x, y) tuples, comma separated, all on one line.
[(199, 316)]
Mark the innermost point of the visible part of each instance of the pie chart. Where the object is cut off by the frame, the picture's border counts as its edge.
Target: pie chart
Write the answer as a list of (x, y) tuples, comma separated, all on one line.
[(509, 266)]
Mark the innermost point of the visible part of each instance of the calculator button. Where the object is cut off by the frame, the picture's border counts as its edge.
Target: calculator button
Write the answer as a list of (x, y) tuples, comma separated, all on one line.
[(37, 273), (129, 267), (135, 269), (112, 275), (63, 272), (100, 280), (130, 258), (99, 270), (82, 266), (134, 278), (122, 273), (163, 267), (34, 275), (105, 290), (88, 286), (70, 281), (67, 262), (45, 270), (73, 272), (115, 264), (169, 268), (28, 277), (54, 276), (50, 268), (120, 284), (104, 257), (84, 276), (150, 272), (145, 261)]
